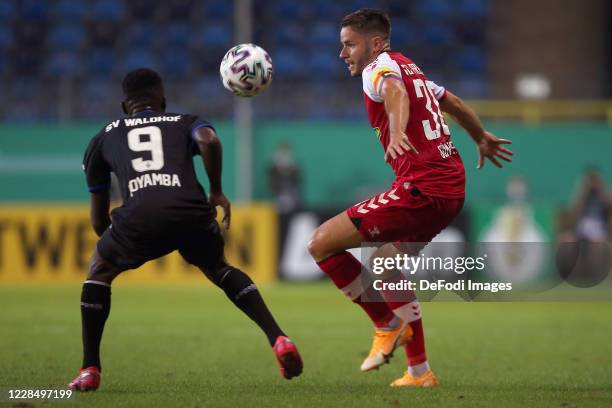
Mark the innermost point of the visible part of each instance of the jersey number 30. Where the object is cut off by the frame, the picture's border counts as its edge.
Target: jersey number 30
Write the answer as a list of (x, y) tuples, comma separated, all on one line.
[(422, 90), (152, 145)]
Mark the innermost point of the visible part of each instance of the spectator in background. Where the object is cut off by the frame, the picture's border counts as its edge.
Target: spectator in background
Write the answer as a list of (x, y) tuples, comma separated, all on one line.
[(30, 47), (583, 256), (591, 209), (284, 179)]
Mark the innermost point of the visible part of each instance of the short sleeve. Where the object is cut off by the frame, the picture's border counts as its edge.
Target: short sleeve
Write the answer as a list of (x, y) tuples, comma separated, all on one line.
[(197, 123), (97, 170), (374, 75), (200, 123), (438, 91)]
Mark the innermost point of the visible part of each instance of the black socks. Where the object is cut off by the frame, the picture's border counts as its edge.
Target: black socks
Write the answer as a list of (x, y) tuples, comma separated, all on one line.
[(241, 290), (95, 307)]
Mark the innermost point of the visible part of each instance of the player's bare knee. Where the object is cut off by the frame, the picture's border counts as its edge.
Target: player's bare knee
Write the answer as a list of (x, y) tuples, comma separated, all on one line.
[(100, 270), (102, 274), (317, 246)]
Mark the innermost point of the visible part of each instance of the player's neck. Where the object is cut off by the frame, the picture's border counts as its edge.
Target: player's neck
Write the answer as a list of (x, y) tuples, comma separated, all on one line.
[(376, 55)]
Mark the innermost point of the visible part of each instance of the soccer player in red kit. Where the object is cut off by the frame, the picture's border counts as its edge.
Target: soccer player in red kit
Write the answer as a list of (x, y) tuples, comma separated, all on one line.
[(405, 110)]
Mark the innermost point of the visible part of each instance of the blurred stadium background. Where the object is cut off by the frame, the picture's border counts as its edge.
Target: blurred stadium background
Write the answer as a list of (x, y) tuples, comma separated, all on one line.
[(539, 73), (303, 150)]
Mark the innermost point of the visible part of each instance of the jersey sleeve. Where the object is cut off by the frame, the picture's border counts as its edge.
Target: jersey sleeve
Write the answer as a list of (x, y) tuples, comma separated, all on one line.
[(197, 123), (97, 170), (200, 123), (438, 91), (374, 75)]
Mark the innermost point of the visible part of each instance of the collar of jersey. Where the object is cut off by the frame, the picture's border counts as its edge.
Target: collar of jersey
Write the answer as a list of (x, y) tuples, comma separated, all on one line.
[(145, 112)]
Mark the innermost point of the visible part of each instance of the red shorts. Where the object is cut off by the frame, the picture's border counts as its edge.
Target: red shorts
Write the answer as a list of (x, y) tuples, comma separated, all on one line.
[(403, 214)]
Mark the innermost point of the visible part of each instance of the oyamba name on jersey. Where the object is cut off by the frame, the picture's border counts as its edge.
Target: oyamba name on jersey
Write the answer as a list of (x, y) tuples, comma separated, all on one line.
[(153, 179), (142, 121)]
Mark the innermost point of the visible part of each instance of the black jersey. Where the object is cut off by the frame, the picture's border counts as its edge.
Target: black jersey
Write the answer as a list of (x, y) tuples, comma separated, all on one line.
[(152, 156)]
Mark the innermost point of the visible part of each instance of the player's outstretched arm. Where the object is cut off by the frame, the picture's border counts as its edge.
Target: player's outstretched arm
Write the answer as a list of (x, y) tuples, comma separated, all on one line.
[(487, 143), (100, 205), (212, 155)]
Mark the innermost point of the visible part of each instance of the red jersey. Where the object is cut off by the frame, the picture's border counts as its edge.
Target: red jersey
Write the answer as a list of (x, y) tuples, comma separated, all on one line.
[(437, 170)]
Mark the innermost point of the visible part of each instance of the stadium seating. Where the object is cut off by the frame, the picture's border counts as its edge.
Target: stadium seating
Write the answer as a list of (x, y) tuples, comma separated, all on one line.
[(6, 37), (177, 63), (215, 35), (290, 34), (140, 35), (185, 40), (137, 59), (176, 35), (327, 63), (69, 11), (34, 10), (288, 63), (326, 10), (66, 36), (108, 10), (100, 63), (473, 9), (471, 60), (63, 64), (325, 34), (180, 10), (8, 11), (218, 10)]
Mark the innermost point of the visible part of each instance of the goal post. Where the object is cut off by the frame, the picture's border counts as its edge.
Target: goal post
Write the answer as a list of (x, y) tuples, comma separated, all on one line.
[(243, 109)]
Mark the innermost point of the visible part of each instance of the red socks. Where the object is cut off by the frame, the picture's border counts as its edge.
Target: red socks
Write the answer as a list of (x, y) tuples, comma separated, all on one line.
[(345, 271), (415, 348)]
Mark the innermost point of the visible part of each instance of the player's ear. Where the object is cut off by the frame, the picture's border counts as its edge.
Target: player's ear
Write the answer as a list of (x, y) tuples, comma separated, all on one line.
[(378, 43), (124, 107)]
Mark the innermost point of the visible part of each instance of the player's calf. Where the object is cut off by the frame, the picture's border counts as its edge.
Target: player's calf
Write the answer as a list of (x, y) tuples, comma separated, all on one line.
[(243, 292)]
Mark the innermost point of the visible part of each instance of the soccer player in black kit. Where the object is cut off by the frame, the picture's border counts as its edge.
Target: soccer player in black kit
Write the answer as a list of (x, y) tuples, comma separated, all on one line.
[(164, 209)]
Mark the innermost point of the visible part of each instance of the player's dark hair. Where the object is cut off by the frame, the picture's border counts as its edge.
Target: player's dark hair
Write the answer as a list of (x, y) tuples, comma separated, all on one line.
[(142, 83), (369, 21)]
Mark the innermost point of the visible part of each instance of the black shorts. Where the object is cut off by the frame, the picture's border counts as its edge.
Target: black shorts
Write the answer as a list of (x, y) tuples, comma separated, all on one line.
[(201, 244)]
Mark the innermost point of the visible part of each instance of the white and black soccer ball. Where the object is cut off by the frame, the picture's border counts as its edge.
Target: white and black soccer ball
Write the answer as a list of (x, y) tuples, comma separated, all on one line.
[(246, 70)]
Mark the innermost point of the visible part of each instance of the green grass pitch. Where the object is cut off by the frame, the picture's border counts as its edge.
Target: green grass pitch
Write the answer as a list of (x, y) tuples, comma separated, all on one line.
[(189, 347)]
